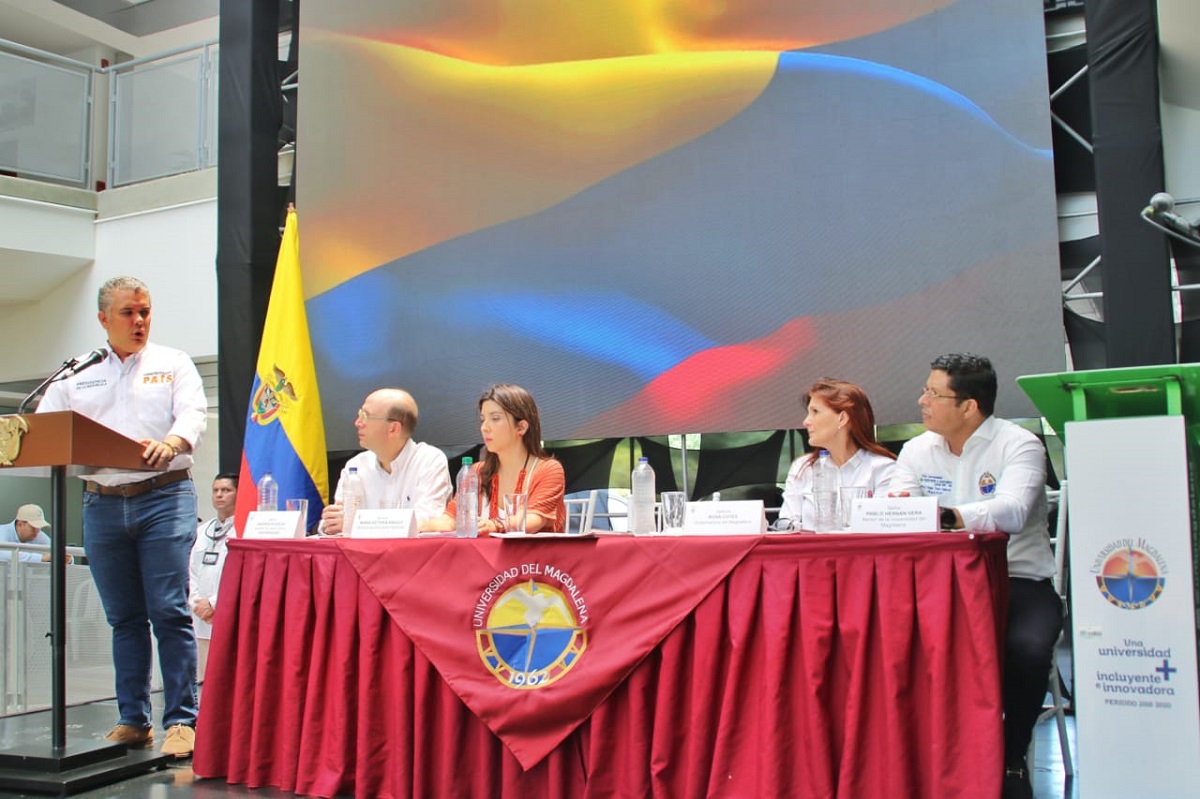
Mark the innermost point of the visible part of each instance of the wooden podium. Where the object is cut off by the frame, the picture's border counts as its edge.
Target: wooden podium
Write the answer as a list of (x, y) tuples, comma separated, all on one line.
[(61, 444)]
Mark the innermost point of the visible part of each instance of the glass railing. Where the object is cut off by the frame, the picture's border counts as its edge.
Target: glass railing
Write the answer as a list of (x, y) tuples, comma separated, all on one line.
[(45, 115), (162, 115), (26, 667)]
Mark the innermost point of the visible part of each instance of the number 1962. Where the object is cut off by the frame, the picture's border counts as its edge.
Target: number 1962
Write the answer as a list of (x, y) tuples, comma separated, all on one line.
[(528, 677)]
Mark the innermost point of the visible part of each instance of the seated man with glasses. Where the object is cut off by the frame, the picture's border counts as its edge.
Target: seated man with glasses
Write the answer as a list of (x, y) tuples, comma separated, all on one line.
[(396, 471), (989, 475)]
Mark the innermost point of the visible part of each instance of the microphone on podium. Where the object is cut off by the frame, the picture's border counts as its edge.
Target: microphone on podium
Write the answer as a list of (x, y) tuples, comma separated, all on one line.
[(69, 368), (1160, 213), (85, 361)]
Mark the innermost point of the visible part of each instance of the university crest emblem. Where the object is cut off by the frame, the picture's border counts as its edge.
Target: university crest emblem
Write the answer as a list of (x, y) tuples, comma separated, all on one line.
[(530, 625)]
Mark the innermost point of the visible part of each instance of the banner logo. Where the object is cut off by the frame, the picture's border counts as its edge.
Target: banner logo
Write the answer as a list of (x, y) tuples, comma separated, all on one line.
[(271, 397), (1130, 574), (529, 625)]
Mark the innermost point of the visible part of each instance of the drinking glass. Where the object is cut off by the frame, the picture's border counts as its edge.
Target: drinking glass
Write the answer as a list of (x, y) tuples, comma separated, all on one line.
[(514, 513), (847, 496), (302, 506), (674, 504)]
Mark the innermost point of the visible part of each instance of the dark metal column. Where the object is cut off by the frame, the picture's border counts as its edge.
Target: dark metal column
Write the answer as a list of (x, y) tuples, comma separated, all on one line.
[(1123, 69), (248, 213)]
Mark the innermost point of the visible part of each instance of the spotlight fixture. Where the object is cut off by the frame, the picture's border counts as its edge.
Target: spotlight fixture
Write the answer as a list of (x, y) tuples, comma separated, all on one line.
[(1161, 213)]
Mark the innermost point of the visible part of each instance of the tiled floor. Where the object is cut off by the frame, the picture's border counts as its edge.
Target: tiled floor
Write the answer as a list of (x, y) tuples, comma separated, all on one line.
[(1050, 779), (178, 782)]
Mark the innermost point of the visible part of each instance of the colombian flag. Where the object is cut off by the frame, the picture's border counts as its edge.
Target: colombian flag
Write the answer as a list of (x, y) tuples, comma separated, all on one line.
[(285, 434)]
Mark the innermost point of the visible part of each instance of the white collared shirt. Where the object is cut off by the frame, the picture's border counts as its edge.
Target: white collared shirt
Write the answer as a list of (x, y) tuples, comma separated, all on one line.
[(420, 479), (151, 394), (863, 468), (997, 485), (205, 578)]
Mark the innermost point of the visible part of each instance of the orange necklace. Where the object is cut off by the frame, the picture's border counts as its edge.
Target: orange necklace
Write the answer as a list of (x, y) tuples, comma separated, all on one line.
[(493, 500)]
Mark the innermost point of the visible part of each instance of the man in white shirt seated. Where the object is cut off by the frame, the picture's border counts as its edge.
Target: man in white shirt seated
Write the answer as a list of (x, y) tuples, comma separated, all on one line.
[(396, 471), (27, 528), (989, 475)]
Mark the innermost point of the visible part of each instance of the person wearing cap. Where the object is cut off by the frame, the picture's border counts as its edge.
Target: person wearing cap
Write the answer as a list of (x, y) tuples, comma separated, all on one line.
[(27, 528), (139, 526)]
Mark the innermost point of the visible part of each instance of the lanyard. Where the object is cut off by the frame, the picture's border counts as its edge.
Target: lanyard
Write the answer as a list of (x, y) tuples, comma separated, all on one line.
[(211, 553), (222, 529)]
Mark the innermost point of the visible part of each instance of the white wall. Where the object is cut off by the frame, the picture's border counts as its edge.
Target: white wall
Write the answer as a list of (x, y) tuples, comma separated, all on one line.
[(1181, 132), (172, 249), (1179, 73)]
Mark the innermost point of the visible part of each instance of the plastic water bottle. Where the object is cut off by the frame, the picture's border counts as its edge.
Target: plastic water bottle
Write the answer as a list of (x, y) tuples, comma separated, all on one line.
[(825, 491), (466, 517), (354, 495), (641, 506), (268, 493)]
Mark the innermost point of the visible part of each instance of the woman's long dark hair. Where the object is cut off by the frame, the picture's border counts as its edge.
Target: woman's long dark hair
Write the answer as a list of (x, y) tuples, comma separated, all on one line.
[(517, 403)]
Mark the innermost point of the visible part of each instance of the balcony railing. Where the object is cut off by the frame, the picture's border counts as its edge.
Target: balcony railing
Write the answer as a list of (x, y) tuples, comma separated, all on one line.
[(163, 117), (45, 115), (25, 666), (161, 120)]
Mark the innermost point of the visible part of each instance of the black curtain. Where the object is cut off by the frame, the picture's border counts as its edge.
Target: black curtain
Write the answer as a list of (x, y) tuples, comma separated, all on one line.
[(1088, 345), (1123, 69), (723, 467), (248, 204), (587, 465)]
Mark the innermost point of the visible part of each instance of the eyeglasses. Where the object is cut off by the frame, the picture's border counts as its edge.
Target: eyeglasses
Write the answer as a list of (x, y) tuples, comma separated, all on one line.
[(929, 393), (363, 416)]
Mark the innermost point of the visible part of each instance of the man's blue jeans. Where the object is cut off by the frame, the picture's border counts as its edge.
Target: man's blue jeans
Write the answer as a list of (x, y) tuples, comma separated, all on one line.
[(138, 549)]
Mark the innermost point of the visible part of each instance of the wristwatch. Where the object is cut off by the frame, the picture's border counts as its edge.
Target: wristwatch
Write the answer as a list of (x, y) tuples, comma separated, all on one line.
[(948, 519)]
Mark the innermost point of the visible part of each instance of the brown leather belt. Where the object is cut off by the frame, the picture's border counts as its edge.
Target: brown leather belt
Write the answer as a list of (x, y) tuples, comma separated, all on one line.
[(136, 489)]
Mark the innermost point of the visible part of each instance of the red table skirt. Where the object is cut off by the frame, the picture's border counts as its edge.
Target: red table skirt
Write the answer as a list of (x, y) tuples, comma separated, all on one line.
[(819, 666)]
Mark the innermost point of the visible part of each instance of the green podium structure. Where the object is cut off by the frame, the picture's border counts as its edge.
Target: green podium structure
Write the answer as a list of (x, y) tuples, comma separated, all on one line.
[(1130, 436)]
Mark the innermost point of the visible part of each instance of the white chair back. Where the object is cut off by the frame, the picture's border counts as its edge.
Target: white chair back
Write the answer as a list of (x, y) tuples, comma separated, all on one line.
[(580, 512)]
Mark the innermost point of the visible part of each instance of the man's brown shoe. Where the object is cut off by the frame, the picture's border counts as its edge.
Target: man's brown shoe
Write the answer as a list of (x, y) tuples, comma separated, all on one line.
[(131, 736), (180, 741)]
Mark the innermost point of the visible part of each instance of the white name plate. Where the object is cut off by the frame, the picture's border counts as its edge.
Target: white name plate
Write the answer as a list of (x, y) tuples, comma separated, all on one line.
[(274, 524), (894, 515), (735, 517), (384, 523)]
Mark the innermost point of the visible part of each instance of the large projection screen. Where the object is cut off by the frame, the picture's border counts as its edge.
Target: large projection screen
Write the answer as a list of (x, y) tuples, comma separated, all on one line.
[(668, 216)]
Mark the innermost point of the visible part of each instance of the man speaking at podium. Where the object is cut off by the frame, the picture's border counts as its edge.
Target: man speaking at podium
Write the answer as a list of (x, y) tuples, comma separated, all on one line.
[(138, 527)]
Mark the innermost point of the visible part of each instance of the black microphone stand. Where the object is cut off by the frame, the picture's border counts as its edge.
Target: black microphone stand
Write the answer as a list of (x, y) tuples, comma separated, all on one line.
[(70, 367), (55, 375)]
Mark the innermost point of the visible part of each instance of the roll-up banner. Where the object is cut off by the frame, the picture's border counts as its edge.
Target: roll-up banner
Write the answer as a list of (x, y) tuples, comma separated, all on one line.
[(1132, 587)]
